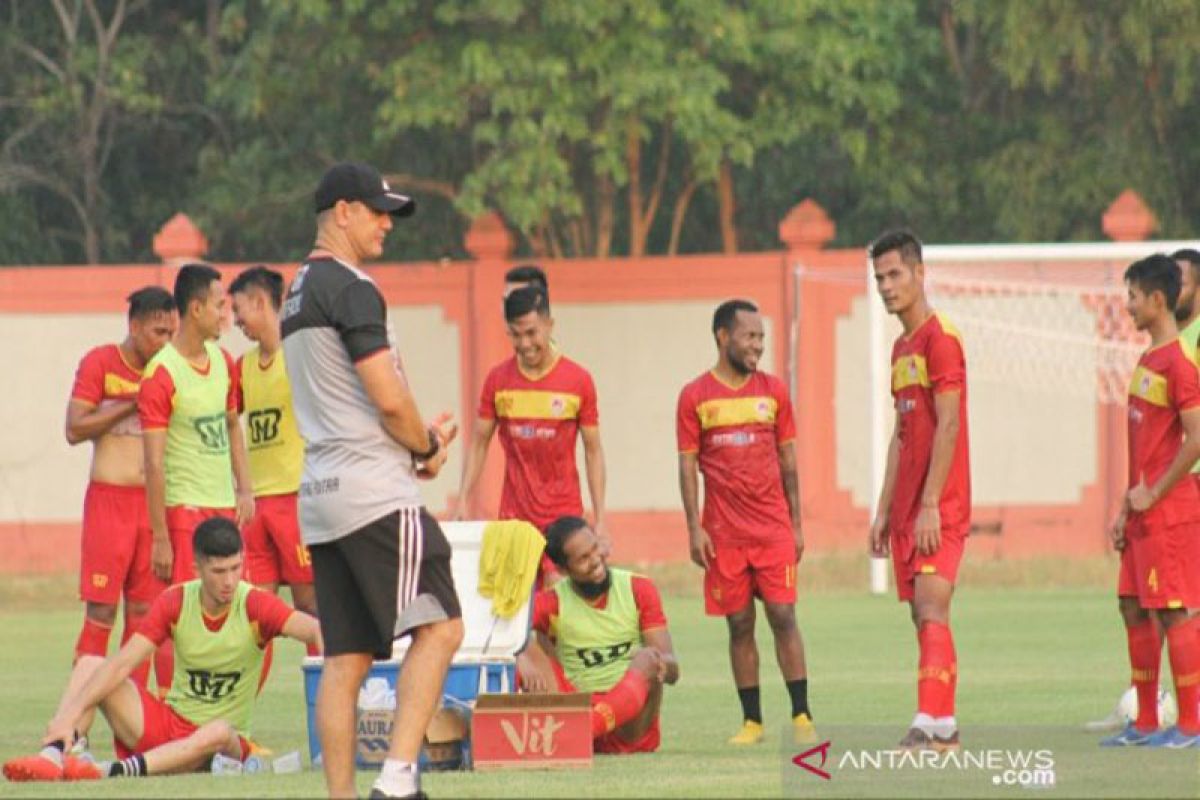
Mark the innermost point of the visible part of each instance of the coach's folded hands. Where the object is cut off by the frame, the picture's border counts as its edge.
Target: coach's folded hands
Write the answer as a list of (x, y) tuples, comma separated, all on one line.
[(445, 429)]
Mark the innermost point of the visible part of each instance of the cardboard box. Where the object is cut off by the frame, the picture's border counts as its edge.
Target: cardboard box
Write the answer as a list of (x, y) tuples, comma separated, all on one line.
[(532, 731), (443, 746)]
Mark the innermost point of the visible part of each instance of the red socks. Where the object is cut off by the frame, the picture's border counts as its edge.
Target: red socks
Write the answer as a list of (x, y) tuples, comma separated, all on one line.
[(1145, 655), (620, 704), (937, 673), (141, 673), (93, 639), (1183, 648)]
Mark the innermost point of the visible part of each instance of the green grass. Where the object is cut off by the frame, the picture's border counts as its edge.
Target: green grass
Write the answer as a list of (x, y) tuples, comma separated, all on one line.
[(1027, 657)]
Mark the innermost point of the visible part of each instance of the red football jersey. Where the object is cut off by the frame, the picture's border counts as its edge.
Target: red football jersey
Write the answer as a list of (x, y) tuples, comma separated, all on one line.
[(925, 364), (1165, 383), (104, 377), (737, 433), (538, 421)]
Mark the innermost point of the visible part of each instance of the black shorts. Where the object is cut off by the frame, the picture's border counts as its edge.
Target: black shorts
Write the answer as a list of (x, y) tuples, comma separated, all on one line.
[(381, 581)]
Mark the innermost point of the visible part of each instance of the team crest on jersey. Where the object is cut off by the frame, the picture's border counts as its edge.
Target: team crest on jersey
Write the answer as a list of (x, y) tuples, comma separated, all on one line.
[(764, 410), (912, 369), (557, 406), (1145, 384)]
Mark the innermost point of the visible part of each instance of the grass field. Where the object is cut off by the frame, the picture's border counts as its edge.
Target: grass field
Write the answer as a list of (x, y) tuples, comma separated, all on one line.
[(1028, 656)]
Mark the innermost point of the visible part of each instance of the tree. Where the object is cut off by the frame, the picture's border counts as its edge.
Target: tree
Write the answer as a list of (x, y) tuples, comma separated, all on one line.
[(77, 80)]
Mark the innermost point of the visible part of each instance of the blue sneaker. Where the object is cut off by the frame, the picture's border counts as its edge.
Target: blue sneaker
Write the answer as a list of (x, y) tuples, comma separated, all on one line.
[(1130, 737), (1174, 739)]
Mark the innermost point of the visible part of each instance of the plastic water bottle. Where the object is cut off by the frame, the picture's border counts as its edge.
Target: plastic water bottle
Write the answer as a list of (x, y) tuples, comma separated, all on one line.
[(288, 762), (253, 764), (224, 765)]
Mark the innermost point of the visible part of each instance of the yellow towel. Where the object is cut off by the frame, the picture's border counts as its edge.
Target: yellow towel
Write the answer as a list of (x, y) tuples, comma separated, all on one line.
[(508, 564)]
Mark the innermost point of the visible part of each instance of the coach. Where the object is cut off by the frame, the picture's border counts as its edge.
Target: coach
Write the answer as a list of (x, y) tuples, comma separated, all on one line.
[(381, 564)]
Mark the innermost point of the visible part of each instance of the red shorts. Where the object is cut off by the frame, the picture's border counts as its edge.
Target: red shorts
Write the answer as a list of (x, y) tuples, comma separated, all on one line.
[(740, 573), (115, 546), (161, 725), (907, 563), (181, 524), (610, 742), (274, 552), (1158, 564)]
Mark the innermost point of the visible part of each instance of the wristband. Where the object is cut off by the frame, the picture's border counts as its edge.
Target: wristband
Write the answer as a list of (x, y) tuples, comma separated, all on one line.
[(435, 444)]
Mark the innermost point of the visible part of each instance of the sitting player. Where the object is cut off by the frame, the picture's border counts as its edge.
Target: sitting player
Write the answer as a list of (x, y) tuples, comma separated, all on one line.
[(601, 631), (219, 625)]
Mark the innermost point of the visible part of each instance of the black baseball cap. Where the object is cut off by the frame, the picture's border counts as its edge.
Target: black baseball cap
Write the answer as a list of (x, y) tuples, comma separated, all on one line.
[(352, 180)]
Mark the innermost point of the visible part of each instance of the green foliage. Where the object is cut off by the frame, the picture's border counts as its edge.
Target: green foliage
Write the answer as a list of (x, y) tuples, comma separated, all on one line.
[(592, 127)]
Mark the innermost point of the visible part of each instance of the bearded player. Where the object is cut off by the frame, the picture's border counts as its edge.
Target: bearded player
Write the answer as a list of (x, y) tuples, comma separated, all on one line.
[(601, 630), (924, 512), (735, 426)]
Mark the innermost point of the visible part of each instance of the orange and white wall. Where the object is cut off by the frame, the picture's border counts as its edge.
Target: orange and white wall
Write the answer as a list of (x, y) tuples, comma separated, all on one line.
[(641, 326)]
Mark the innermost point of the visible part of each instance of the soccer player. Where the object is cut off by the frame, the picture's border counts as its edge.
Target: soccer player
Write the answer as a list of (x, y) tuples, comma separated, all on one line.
[(735, 426), (1157, 528), (524, 276), (1187, 310), (608, 635), (381, 563), (1187, 316), (274, 551), (219, 625), (115, 539), (924, 512), (540, 401), (193, 443)]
